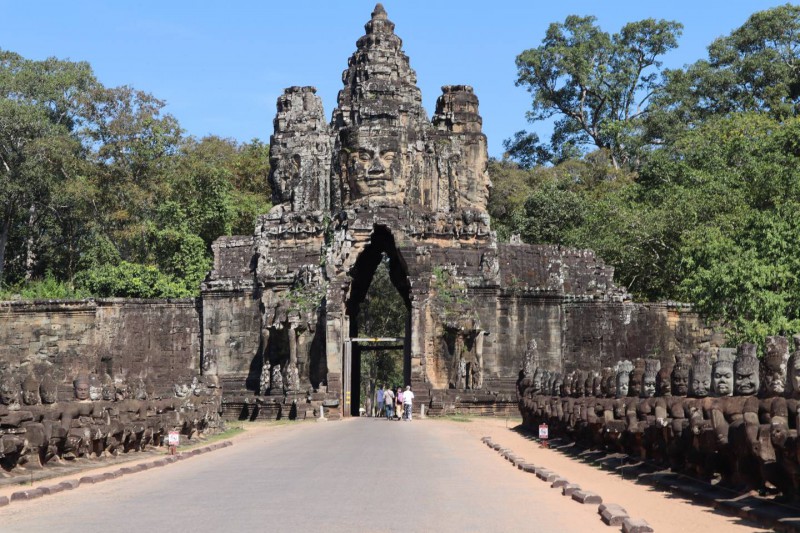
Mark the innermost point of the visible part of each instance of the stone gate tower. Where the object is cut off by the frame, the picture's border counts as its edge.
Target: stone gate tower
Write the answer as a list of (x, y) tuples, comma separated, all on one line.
[(280, 308)]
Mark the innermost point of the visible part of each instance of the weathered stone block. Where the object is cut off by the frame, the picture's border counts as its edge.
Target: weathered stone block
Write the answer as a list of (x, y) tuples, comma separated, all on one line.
[(636, 525), (612, 514), (586, 497), (51, 489), (3, 501), (28, 494), (559, 482), (569, 489), (70, 484)]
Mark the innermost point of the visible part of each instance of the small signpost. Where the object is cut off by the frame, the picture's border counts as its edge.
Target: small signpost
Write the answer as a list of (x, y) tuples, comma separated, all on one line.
[(544, 433), (173, 440)]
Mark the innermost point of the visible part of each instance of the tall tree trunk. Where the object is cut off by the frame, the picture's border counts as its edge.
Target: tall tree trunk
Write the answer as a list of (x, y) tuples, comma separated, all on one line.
[(3, 240), (30, 254)]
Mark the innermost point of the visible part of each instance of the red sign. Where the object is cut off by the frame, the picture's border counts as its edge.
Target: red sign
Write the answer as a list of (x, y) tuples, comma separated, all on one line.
[(543, 432)]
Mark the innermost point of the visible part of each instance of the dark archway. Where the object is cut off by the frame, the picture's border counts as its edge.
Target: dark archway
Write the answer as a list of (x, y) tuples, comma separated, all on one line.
[(382, 244)]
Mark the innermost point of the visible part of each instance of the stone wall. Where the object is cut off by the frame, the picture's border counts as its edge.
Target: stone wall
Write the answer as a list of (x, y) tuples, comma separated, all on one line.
[(155, 340)]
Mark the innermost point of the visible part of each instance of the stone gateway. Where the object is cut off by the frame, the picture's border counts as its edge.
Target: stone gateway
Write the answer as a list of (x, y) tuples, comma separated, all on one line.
[(280, 308)]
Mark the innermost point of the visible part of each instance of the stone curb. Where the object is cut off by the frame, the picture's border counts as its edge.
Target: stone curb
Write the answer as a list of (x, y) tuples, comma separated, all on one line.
[(636, 525), (91, 479), (29, 494), (586, 497), (612, 514)]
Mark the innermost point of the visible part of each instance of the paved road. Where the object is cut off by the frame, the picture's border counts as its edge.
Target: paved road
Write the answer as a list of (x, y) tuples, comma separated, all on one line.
[(357, 475)]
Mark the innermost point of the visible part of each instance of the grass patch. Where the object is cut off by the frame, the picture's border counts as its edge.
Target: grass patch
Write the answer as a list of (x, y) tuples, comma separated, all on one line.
[(228, 433), (457, 418)]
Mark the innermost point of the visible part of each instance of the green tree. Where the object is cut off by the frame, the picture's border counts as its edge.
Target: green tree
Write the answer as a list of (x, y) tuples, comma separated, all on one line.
[(597, 85), (755, 68), (40, 110)]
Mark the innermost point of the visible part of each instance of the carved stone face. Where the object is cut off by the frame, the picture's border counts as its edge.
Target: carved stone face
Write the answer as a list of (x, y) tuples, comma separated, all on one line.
[(372, 165), (95, 389), (649, 386), (635, 383), (623, 384), (701, 385), (81, 388), (30, 392), (48, 390), (722, 382), (746, 381), (9, 394), (680, 383), (774, 382)]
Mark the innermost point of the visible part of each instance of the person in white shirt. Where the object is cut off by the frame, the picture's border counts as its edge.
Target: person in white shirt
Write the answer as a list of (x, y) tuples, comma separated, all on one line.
[(408, 399)]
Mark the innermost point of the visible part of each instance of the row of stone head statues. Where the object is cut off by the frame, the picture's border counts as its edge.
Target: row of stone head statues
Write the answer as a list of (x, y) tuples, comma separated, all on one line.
[(729, 372), (102, 416), (732, 418)]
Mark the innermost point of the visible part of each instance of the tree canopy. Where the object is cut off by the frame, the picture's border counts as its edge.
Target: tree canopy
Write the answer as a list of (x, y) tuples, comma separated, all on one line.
[(694, 193), (101, 192)]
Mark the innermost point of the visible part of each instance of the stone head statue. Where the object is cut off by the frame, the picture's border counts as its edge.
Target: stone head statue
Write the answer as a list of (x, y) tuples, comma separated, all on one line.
[(664, 380), (722, 373), (122, 391), (624, 369), (139, 390), (701, 374), (107, 389), (9, 392), (48, 389), (637, 379), (680, 375), (793, 383), (537, 381), (773, 366), (579, 384), (650, 379), (30, 390), (745, 371), (371, 162), (611, 383), (597, 384), (555, 383), (95, 388), (606, 376), (566, 385), (80, 387)]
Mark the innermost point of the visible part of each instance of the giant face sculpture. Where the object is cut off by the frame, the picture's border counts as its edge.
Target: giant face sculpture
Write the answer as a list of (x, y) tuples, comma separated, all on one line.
[(372, 163)]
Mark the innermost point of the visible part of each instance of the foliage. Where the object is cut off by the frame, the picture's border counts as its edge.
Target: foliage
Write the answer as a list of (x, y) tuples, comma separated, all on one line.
[(130, 280), (92, 177), (44, 289), (755, 68), (597, 85)]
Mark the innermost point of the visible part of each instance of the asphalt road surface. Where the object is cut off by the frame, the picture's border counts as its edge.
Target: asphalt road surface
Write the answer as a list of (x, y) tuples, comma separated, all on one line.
[(356, 475)]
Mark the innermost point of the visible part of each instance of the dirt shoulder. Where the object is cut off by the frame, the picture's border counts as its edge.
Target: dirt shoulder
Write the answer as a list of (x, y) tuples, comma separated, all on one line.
[(662, 510)]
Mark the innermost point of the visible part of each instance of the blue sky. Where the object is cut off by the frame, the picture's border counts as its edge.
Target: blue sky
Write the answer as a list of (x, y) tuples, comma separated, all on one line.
[(221, 68)]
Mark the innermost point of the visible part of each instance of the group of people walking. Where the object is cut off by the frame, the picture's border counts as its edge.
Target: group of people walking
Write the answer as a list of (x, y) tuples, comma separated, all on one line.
[(394, 405)]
